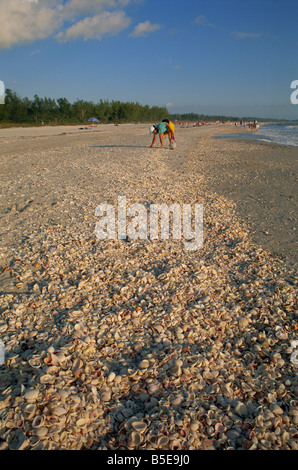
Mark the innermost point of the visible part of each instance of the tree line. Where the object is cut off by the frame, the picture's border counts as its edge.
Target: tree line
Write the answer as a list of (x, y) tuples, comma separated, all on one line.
[(201, 117), (60, 111), (17, 110)]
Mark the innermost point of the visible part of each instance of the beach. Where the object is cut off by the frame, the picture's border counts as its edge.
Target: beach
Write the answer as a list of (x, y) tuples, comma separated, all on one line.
[(140, 344), (262, 181)]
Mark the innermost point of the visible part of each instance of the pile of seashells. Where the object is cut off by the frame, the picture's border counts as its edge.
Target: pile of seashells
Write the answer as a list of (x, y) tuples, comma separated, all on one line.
[(114, 344)]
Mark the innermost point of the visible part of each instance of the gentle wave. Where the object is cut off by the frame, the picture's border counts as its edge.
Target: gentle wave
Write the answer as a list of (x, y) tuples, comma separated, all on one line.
[(279, 134)]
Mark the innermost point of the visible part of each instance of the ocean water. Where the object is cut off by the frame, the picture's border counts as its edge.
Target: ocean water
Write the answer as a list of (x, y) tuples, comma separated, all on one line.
[(284, 134)]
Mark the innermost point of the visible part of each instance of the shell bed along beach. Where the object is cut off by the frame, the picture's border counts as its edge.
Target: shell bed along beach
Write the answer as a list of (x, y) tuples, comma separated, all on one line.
[(137, 344)]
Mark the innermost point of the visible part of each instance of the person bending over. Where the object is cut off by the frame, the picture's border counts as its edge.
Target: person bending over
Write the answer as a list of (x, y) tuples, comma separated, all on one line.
[(170, 132), (160, 129)]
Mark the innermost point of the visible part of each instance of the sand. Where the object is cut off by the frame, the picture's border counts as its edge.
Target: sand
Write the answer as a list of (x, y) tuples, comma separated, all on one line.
[(260, 178), (140, 344), (40, 166)]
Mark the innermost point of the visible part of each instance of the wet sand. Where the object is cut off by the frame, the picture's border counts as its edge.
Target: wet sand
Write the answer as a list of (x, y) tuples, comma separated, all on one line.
[(261, 179)]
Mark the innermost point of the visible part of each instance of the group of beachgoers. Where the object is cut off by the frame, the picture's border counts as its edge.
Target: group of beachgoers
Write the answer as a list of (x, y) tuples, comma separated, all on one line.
[(253, 126), (165, 127)]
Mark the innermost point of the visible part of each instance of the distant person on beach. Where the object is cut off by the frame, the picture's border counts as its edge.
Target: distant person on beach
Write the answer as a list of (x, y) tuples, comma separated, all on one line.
[(161, 129), (256, 125)]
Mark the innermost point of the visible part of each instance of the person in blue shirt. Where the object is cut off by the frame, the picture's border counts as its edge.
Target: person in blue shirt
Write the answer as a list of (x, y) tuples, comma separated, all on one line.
[(160, 129)]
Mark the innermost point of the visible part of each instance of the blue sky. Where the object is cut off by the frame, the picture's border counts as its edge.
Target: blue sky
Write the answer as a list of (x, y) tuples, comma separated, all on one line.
[(235, 57)]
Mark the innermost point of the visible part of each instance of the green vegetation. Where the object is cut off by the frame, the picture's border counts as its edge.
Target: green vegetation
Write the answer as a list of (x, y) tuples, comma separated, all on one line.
[(17, 110), (23, 111)]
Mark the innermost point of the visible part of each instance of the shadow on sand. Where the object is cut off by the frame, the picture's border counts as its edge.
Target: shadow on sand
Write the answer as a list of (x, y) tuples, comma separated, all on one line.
[(120, 146)]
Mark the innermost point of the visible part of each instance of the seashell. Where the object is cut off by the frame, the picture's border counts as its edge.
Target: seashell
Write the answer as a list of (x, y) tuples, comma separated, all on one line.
[(136, 438), (54, 359), (47, 379), (243, 323), (30, 409), (194, 426), (37, 421), (129, 421), (177, 400), (276, 410), (77, 367), (60, 357), (119, 417), (219, 427), (41, 432), (158, 328), (111, 377), (35, 363), (175, 444), (139, 426), (31, 395), (3, 327), (182, 432), (281, 334), (132, 373), (81, 422), (59, 411), (162, 441), (246, 426), (179, 363), (208, 375), (105, 396), (107, 350), (144, 364), (127, 412), (241, 410), (135, 388), (153, 388), (52, 370)]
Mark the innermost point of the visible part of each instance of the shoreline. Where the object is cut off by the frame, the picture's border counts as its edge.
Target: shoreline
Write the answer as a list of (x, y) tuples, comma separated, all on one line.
[(260, 177), (139, 344)]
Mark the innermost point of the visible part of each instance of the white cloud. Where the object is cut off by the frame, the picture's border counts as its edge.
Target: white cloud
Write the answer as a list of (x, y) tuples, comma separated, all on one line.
[(35, 52), (24, 21), (169, 105), (96, 26), (143, 29), (202, 20), (240, 35)]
